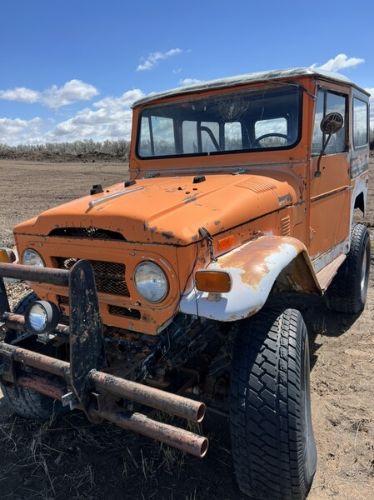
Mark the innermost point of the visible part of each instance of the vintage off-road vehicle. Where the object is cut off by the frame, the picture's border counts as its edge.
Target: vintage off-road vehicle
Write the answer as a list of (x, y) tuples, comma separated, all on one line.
[(177, 288)]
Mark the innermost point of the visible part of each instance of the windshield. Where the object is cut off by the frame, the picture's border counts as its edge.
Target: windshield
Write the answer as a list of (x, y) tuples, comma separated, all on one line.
[(246, 121)]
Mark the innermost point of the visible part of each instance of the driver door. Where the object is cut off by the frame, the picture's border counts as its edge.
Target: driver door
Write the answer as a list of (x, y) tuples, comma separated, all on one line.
[(330, 192)]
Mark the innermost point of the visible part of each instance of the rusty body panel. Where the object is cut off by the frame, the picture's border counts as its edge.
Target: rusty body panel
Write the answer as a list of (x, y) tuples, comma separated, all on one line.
[(254, 268)]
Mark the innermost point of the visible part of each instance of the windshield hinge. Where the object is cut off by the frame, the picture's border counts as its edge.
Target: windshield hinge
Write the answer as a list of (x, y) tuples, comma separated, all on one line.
[(205, 234)]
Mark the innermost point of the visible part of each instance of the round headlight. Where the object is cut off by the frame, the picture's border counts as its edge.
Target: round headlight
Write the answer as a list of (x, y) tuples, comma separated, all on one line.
[(32, 258), (151, 281), (42, 317)]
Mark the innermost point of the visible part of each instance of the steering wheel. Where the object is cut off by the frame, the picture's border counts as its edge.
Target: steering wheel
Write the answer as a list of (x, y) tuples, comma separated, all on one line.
[(272, 134)]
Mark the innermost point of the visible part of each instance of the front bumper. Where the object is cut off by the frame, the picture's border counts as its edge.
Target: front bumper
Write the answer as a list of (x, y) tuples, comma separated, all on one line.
[(83, 382)]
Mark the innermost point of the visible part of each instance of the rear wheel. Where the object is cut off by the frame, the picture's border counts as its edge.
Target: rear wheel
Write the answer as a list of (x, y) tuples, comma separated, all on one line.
[(26, 402), (348, 291), (273, 445)]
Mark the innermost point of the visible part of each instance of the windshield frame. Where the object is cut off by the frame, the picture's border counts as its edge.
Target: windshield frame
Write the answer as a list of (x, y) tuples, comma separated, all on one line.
[(227, 92)]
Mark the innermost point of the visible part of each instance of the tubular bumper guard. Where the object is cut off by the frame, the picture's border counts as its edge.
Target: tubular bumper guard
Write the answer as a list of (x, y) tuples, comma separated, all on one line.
[(81, 383)]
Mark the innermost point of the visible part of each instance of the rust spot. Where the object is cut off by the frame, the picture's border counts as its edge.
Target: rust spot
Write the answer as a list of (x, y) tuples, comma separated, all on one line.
[(251, 257)]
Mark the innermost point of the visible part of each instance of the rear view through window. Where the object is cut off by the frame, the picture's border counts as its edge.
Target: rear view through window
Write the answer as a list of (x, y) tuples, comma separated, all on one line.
[(246, 121)]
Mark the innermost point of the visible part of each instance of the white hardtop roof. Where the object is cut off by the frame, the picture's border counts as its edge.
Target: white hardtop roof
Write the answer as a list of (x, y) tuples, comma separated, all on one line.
[(247, 78)]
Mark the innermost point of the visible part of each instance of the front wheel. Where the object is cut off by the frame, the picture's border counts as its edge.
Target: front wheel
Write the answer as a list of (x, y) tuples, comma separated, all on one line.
[(273, 445)]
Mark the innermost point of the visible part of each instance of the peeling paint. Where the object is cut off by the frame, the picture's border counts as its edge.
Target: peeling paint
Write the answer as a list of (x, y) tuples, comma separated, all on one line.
[(253, 268)]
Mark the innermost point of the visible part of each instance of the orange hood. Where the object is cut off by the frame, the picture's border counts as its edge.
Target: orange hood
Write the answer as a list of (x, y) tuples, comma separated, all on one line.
[(169, 210)]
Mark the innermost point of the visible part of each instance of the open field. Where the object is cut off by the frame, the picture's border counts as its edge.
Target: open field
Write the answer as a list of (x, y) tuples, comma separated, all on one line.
[(72, 458)]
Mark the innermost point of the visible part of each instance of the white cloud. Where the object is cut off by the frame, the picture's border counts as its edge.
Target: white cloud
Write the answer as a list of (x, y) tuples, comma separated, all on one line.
[(153, 59), (110, 118), (17, 131), (339, 62), (20, 94), (54, 97), (72, 91), (190, 81)]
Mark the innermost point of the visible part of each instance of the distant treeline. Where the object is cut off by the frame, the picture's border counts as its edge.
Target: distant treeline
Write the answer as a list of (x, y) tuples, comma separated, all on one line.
[(77, 151), (68, 151)]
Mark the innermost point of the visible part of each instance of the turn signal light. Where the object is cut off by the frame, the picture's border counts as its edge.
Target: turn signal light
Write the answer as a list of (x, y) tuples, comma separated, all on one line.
[(7, 256), (213, 281)]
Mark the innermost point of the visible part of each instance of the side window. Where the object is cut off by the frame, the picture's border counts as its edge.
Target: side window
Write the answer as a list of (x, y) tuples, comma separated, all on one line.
[(233, 136), (336, 103), (317, 132), (360, 123), (329, 102)]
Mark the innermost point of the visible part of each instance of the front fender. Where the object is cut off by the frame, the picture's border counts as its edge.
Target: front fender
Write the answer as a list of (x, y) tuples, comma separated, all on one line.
[(254, 267)]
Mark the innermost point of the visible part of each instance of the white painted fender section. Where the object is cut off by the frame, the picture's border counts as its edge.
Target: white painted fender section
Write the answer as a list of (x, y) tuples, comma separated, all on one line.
[(253, 268)]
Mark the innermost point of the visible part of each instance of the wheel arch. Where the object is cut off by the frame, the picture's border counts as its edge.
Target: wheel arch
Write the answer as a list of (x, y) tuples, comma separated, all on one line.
[(359, 202), (255, 268)]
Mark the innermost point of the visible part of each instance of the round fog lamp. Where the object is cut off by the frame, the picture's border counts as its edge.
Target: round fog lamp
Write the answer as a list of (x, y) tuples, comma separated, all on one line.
[(151, 281), (42, 317)]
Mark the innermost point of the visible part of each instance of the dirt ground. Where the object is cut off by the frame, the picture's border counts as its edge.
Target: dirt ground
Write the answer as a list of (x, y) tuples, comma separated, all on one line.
[(73, 458)]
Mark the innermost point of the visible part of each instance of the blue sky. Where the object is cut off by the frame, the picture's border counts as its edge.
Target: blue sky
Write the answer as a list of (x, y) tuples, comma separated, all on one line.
[(70, 70)]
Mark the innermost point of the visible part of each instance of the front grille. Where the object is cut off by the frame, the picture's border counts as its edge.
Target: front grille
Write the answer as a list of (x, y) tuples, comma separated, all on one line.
[(93, 233), (109, 276), (124, 311), (63, 300)]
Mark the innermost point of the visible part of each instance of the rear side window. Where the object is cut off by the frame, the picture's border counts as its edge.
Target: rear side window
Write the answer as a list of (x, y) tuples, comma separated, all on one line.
[(329, 102), (360, 123)]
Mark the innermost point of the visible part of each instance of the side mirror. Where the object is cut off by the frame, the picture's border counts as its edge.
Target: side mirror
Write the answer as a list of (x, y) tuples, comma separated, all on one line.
[(330, 125)]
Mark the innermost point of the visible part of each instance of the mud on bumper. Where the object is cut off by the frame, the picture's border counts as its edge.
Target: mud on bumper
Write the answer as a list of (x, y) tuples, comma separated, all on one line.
[(84, 383)]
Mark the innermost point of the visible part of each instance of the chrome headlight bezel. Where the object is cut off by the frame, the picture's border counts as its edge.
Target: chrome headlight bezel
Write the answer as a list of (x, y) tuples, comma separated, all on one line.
[(146, 286), (31, 257)]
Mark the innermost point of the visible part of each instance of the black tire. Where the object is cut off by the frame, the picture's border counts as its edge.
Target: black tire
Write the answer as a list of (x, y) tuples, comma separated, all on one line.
[(348, 290), (25, 402), (273, 446)]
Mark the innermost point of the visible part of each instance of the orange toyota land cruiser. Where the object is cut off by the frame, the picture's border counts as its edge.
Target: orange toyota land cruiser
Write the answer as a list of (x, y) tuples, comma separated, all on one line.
[(177, 290)]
